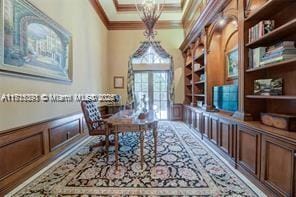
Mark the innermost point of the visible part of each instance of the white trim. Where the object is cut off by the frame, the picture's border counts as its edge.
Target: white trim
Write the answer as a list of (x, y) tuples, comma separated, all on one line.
[(43, 170)]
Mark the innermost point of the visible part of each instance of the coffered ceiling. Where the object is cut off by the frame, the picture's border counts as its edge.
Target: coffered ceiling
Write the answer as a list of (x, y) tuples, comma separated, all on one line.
[(122, 14)]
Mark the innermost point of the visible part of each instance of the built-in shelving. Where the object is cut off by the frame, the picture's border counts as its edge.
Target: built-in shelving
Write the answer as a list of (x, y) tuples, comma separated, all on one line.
[(279, 33), (282, 12), (284, 97), (268, 9), (290, 62)]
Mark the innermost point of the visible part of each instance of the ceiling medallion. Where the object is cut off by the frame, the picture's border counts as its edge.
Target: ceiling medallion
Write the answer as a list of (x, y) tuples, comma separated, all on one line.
[(149, 12)]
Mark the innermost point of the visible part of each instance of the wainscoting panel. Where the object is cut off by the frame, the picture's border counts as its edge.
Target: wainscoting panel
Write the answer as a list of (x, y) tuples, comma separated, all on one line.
[(26, 149)]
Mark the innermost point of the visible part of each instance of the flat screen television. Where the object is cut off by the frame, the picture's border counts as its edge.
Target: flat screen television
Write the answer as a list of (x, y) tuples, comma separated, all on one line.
[(226, 97)]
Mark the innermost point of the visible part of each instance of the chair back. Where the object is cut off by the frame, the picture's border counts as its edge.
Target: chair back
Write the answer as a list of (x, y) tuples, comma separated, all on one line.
[(92, 115)]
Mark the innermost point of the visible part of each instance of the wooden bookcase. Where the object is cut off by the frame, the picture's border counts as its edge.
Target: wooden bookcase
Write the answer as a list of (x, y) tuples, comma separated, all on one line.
[(188, 77), (254, 149), (284, 15), (195, 74)]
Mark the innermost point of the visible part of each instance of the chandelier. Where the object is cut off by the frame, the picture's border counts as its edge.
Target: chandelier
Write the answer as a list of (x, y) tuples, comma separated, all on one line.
[(149, 12)]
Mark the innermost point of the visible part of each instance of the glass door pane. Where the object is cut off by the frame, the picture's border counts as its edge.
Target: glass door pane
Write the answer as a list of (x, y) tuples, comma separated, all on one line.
[(153, 85), (160, 94), (142, 90)]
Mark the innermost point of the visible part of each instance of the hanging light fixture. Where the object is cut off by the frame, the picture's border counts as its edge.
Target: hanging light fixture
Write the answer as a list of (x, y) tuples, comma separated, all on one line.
[(149, 12)]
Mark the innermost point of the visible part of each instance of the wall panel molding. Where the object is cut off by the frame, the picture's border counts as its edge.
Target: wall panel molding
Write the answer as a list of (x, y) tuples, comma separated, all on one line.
[(25, 150)]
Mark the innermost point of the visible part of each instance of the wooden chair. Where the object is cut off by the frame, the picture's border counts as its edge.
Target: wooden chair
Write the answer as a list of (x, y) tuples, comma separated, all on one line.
[(95, 122)]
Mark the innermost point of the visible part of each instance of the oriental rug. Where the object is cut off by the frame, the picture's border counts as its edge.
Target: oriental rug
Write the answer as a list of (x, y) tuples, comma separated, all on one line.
[(184, 167)]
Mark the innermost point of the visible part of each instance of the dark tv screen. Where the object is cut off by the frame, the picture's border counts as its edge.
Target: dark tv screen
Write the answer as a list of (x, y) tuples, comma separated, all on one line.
[(226, 97)]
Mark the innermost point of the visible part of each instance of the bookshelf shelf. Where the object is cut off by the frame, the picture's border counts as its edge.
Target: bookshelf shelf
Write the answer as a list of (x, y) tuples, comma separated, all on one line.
[(276, 35), (199, 57), (271, 97), (268, 9), (199, 82), (188, 64), (199, 95), (200, 69), (188, 85), (272, 65), (189, 75)]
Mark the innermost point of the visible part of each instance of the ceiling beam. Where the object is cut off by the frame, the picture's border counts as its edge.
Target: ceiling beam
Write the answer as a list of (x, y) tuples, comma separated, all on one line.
[(131, 25), (131, 7)]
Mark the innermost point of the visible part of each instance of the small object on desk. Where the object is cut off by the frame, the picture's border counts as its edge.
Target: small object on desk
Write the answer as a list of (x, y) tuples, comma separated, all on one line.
[(280, 121), (142, 115)]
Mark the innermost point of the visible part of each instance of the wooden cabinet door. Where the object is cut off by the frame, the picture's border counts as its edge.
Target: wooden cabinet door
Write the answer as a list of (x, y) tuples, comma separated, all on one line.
[(189, 118), (278, 166), (193, 119), (199, 121), (226, 136), (185, 115), (214, 130), (206, 125), (248, 150), (177, 112)]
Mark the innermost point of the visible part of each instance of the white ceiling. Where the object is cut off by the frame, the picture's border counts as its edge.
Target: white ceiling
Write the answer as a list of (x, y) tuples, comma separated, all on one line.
[(113, 15)]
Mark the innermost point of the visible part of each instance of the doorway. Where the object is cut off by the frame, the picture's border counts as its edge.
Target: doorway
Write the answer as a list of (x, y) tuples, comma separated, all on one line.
[(152, 86)]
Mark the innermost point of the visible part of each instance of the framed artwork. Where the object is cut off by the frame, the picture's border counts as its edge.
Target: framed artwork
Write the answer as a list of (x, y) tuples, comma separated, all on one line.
[(268, 87), (33, 44), (118, 82), (232, 64)]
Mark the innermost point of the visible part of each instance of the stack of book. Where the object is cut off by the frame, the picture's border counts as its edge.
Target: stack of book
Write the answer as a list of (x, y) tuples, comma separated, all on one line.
[(266, 55), (259, 30), (280, 52)]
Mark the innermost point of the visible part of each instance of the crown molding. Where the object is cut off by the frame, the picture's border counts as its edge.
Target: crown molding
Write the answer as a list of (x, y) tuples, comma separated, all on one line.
[(206, 17), (131, 7), (130, 25), (138, 25)]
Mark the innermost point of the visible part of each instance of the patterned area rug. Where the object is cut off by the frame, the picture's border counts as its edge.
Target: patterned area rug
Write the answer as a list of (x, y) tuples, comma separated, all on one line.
[(184, 167)]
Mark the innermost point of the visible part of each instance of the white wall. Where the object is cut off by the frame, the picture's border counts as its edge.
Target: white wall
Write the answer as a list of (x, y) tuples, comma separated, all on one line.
[(123, 43), (89, 63)]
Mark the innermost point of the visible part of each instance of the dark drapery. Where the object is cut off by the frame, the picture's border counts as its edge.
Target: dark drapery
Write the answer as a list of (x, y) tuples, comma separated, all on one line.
[(139, 53)]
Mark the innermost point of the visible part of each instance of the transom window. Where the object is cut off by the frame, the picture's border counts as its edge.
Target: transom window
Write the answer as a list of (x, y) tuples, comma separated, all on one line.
[(150, 57)]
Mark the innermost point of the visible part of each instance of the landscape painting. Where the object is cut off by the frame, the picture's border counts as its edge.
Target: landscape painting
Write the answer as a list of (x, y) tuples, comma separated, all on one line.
[(232, 64), (34, 45)]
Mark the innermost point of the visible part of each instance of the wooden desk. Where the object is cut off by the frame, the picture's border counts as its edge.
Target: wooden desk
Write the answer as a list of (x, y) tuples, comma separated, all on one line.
[(128, 121)]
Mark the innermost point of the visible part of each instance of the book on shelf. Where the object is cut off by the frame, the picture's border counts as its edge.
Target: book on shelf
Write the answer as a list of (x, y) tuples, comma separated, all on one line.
[(255, 56), (196, 66), (261, 29), (265, 55)]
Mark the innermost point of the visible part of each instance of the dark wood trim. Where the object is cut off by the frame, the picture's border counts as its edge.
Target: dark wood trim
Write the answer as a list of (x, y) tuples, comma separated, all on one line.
[(176, 112), (131, 25), (208, 15), (138, 25), (100, 11), (131, 7), (25, 150)]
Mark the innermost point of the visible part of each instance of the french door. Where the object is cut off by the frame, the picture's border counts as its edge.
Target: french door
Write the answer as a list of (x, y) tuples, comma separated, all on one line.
[(152, 86)]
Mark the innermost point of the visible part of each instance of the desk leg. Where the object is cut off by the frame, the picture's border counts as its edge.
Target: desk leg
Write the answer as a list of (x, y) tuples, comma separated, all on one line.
[(142, 148), (155, 143), (116, 149)]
